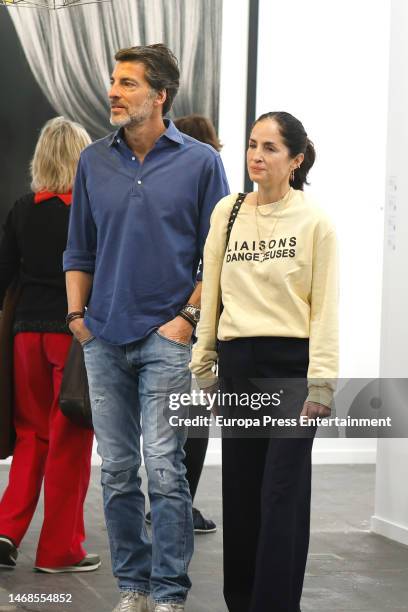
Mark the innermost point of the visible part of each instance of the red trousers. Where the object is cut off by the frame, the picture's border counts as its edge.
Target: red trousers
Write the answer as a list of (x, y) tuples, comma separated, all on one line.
[(48, 447)]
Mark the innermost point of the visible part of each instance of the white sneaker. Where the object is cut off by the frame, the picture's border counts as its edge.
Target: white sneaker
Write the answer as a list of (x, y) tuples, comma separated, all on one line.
[(169, 607), (132, 602)]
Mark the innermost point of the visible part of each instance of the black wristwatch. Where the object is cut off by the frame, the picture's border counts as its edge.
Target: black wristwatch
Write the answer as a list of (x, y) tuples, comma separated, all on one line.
[(190, 313)]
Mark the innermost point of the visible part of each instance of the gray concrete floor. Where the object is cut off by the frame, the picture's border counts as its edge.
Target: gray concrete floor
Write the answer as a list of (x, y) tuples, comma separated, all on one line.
[(349, 569)]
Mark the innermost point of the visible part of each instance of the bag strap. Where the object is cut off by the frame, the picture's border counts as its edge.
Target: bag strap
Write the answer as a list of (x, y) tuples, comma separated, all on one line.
[(233, 215)]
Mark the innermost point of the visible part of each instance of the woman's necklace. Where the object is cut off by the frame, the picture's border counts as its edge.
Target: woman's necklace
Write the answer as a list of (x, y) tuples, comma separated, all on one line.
[(279, 207)]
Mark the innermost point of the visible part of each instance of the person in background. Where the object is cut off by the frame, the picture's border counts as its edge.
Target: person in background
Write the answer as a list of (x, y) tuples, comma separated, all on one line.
[(48, 447), (201, 128), (135, 241), (277, 281)]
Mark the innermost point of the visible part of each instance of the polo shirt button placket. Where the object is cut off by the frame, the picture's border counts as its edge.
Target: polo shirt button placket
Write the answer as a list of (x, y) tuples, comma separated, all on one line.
[(139, 180)]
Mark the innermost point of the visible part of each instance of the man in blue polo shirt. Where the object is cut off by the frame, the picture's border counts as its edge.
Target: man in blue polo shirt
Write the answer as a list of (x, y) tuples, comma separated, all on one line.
[(140, 216)]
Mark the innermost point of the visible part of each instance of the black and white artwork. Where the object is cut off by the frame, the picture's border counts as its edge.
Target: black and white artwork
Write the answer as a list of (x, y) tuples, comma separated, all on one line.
[(61, 61)]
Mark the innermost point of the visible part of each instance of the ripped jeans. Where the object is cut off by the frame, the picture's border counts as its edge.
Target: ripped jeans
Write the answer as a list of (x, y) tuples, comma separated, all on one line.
[(130, 387)]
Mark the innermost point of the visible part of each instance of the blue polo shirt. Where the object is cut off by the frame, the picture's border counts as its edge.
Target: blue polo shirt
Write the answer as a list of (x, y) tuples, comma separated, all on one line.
[(140, 229)]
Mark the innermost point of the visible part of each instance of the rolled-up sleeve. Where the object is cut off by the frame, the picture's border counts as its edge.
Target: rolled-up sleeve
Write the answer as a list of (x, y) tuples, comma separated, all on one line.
[(80, 253), (214, 187)]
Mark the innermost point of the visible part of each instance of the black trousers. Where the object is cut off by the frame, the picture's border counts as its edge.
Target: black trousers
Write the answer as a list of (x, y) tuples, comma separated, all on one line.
[(266, 484), (195, 449)]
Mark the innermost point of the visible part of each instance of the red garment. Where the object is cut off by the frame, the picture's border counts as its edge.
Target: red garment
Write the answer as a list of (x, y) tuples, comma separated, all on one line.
[(48, 447), (40, 196)]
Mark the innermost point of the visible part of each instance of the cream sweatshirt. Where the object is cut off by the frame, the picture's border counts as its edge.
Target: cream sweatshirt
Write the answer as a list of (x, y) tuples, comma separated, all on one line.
[(278, 277)]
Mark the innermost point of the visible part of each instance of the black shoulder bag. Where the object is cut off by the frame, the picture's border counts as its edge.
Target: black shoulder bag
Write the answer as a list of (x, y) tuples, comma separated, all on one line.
[(74, 395)]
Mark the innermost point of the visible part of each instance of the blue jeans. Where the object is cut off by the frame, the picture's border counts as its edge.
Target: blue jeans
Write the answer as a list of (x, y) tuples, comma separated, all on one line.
[(129, 388)]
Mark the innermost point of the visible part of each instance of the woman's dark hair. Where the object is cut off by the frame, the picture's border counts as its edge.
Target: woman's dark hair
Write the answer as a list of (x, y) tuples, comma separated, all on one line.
[(199, 127), (295, 138), (161, 68)]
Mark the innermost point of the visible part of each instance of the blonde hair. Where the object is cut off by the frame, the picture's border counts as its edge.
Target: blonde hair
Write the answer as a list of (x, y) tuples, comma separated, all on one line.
[(56, 155)]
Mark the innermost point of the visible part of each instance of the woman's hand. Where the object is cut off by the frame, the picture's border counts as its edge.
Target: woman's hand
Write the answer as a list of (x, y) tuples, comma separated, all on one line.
[(313, 410), (210, 391)]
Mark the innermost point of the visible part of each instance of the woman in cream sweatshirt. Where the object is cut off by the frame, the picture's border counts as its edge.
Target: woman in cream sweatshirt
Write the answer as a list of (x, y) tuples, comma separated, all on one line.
[(269, 314)]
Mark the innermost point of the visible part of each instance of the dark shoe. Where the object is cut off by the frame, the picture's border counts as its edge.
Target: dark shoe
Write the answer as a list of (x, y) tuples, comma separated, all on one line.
[(8, 552), (88, 564), (201, 524)]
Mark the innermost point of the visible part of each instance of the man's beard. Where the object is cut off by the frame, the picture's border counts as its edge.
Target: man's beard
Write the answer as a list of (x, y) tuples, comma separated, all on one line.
[(138, 117)]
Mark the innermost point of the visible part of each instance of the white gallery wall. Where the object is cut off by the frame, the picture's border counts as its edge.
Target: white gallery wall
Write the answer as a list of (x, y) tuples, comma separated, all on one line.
[(326, 63), (233, 89), (391, 505)]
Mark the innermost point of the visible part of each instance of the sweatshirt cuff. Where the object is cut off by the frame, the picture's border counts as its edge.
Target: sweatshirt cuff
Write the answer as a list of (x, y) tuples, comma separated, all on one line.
[(320, 395)]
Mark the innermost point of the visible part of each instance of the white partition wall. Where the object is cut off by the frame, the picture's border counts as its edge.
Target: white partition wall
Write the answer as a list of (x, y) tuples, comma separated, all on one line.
[(391, 505), (233, 89), (327, 63)]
